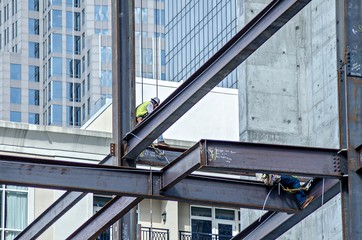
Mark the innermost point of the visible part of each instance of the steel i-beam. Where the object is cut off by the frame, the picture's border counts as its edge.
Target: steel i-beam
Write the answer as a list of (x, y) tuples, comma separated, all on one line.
[(104, 218), (237, 50), (238, 157), (274, 224), (111, 180), (55, 211)]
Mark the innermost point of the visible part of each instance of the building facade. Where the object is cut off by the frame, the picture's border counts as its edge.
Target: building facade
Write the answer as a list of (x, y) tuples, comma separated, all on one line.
[(56, 57), (195, 31)]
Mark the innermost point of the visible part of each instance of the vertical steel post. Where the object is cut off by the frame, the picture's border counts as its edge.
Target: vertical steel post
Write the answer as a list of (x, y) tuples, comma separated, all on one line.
[(123, 100), (352, 94)]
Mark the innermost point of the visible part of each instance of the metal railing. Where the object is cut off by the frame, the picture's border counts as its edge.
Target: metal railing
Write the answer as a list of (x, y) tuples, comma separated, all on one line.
[(154, 233), (185, 235)]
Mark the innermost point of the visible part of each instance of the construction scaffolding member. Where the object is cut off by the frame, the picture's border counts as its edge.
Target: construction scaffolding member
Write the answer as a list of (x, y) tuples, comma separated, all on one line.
[(146, 108)]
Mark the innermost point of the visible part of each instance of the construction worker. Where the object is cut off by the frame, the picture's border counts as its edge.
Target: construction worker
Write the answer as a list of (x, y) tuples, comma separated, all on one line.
[(290, 184), (293, 183), (146, 108)]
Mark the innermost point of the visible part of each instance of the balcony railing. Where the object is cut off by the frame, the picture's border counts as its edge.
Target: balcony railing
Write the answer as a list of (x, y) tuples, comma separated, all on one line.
[(184, 235), (154, 234)]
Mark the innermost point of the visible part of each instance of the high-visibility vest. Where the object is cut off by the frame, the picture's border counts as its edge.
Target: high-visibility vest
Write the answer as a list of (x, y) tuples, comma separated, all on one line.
[(141, 110)]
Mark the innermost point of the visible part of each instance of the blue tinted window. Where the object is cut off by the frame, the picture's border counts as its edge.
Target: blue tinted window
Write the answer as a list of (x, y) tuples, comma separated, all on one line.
[(55, 2), (55, 90), (101, 13), (33, 97), (73, 116), (34, 26), (74, 92), (55, 66), (15, 95), (15, 71), (56, 18), (159, 17), (33, 5), (55, 115), (106, 78), (56, 43), (106, 54), (33, 118), (33, 49), (15, 116), (141, 15), (33, 73)]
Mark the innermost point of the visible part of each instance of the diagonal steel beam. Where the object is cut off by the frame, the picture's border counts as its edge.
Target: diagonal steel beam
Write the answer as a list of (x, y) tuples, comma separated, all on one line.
[(231, 55), (224, 156), (274, 224), (104, 218), (55, 211), (140, 183), (51, 215)]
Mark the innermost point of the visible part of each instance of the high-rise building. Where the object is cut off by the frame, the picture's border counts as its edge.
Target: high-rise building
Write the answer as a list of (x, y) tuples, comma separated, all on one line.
[(195, 31), (56, 57)]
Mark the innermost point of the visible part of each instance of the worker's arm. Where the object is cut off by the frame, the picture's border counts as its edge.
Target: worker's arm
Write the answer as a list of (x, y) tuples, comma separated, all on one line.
[(149, 108)]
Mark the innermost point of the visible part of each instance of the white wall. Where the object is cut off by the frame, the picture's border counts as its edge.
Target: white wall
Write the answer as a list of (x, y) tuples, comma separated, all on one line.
[(214, 117)]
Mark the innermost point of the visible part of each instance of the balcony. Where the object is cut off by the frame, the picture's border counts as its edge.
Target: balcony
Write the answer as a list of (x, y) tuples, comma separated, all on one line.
[(184, 235), (154, 234)]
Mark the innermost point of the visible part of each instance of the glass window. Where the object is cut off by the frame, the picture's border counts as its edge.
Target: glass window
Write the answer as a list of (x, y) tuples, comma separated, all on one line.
[(55, 2), (33, 73), (69, 20), (101, 13), (73, 116), (101, 31), (15, 95), (55, 43), (34, 26), (55, 115), (15, 71), (106, 78), (73, 92), (15, 116), (33, 97), (76, 21), (224, 214), (55, 66), (141, 15), (106, 54), (33, 49), (33, 5), (33, 118), (55, 91), (159, 17), (56, 19), (147, 56), (73, 44), (73, 68), (71, 3), (201, 212)]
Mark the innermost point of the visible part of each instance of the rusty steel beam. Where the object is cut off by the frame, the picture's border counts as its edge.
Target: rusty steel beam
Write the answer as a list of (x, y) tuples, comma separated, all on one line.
[(231, 55), (55, 211), (111, 180), (274, 224), (164, 156), (104, 218), (50, 215), (239, 157)]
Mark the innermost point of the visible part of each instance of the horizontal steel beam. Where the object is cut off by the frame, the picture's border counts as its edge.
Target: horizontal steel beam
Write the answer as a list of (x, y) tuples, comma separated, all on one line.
[(140, 183), (104, 218), (274, 224), (231, 55), (55, 211), (160, 156), (240, 157)]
